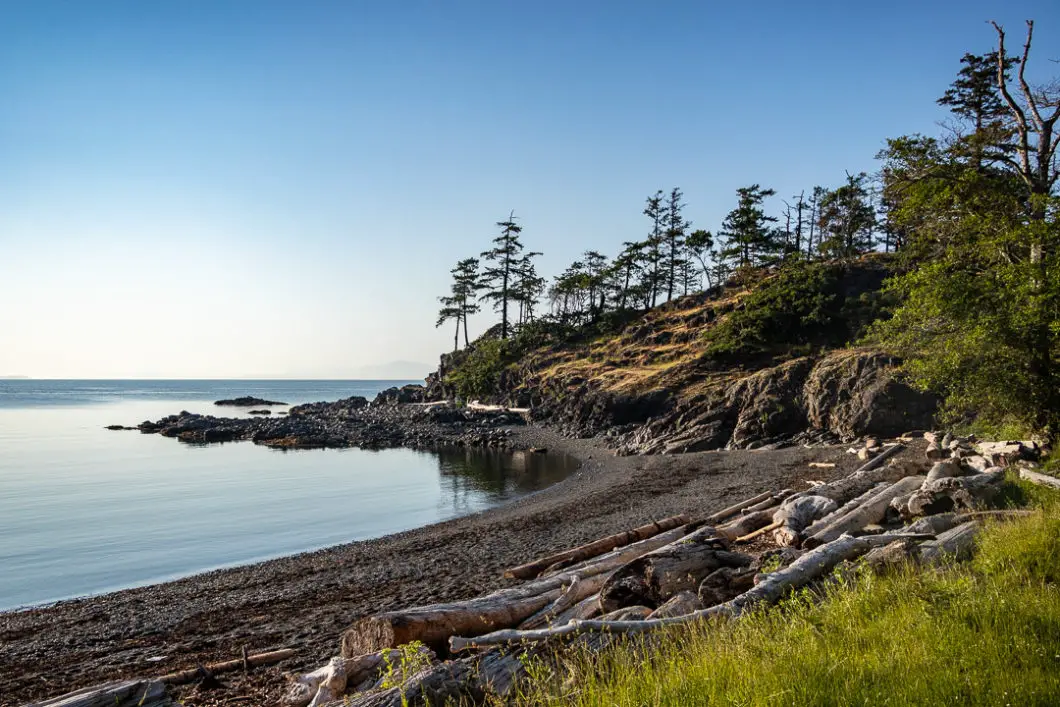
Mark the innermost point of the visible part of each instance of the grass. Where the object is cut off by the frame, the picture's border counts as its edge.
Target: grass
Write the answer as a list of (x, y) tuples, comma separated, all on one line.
[(983, 633)]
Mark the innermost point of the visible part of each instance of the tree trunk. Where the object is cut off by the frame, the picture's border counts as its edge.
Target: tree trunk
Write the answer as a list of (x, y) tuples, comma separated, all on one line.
[(871, 511), (746, 524), (680, 566), (796, 514), (850, 505), (726, 513), (949, 494), (254, 661), (578, 591), (1040, 479), (955, 542), (595, 548), (127, 693)]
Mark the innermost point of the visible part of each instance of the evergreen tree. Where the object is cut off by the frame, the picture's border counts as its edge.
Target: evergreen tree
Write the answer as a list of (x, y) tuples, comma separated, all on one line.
[(847, 219), (974, 97), (596, 267), (528, 287), (461, 300), (500, 273), (673, 240), (624, 273), (749, 236), (653, 248)]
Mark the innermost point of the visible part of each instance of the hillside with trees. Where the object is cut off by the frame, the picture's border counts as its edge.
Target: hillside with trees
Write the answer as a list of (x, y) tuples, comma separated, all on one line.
[(941, 268)]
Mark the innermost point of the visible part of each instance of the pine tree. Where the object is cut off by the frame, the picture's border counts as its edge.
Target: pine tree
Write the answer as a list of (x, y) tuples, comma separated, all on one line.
[(749, 236), (461, 300), (700, 244), (625, 269), (499, 276), (528, 287), (975, 98), (595, 278), (653, 248), (673, 239)]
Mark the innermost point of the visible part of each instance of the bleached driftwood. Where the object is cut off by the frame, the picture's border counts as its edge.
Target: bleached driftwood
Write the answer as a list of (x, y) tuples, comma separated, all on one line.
[(796, 514), (864, 478), (944, 469), (680, 566), (746, 524), (434, 623), (578, 590), (726, 513), (956, 542), (871, 511), (844, 509), (773, 587), (125, 693), (333, 680), (955, 493), (595, 548), (587, 608), (1040, 479)]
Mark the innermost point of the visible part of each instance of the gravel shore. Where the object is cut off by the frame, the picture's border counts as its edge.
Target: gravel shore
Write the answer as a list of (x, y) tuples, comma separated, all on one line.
[(305, 601)]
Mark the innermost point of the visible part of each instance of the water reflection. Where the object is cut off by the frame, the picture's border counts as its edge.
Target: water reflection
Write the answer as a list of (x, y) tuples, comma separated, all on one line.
[(470, 476)]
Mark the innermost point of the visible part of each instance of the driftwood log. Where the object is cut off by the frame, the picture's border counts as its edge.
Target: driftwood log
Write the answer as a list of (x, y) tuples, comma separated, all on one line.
[(746, 524), (578, 591), (956, 542), (126, 693), (872, 510), (796, 514), (333, 680), (773, 587), (726, 513), (253, 661), (864, 478), (435, 623), (957, 493), (1041, 479), (595, 548), (843, 509), (680, 566)]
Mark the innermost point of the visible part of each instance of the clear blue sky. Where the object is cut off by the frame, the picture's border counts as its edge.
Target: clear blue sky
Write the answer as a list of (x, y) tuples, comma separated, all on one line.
[(225, 188)]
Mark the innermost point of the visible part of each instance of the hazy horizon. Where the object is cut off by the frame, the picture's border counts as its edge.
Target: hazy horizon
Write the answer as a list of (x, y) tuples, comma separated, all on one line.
[(211, 190)]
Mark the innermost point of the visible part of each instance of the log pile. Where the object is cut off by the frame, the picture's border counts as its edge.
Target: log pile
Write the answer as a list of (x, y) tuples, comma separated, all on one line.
[(888, 511)]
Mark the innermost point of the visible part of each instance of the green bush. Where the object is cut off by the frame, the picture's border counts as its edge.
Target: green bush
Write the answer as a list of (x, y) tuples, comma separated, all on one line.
[(803, 307)]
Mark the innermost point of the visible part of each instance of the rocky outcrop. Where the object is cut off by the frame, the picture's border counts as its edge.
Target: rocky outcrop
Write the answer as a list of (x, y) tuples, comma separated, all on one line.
[(412, 393), (247, 401), (840, 396), (348, 423)]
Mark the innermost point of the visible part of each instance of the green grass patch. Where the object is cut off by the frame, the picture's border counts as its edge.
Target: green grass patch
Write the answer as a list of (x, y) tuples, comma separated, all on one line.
[(983, 633)]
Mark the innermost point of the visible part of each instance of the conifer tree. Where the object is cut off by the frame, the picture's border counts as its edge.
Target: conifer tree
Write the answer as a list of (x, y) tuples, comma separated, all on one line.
[(461, 300), (700, 245), (750, 238), (653, 248), (674, 240), (499, 274)]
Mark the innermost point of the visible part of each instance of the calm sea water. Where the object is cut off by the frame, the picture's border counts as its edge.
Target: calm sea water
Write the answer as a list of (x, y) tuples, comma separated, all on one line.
[(84, 510)]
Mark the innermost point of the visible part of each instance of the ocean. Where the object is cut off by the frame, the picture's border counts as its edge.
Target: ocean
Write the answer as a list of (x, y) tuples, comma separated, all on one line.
[(85, 510)]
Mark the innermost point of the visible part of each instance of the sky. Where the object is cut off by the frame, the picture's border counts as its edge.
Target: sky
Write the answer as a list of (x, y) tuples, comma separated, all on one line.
[(245, 188)]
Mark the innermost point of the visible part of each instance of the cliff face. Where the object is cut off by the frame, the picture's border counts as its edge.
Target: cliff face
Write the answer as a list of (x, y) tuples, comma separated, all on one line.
[(744, 368)]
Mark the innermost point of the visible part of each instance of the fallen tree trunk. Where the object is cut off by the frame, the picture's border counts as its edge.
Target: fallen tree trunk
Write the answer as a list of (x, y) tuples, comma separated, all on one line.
[(745, 524), (871, 511), (941, 522), (944, 469), (796, 514), (850, 505), (726, 513), (680, 566), (433, 624), (774, 586), (595, 548), (193, 674), (959, 493), (864, 478), (126, 693), (1040, 479), (956, 543), (587, 608)]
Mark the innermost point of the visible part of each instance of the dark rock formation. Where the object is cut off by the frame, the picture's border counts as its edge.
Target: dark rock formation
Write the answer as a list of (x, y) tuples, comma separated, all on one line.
[(260, 412), (412, 393), (246, 402), (348, 423)]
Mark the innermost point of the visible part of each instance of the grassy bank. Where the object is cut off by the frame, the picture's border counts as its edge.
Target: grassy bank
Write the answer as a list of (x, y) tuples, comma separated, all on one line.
[(986, 632)]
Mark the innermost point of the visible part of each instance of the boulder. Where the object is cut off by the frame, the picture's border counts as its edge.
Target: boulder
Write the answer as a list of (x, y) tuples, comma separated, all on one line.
[(246, 401)]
